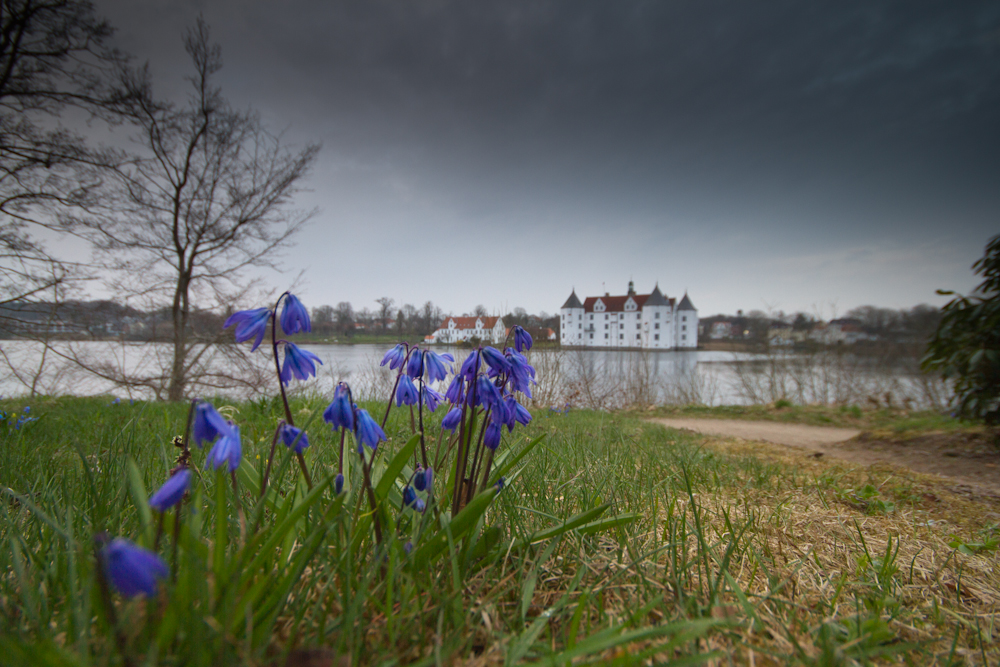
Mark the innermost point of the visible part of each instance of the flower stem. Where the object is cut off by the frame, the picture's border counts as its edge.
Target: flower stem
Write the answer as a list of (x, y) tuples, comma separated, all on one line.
[(270, 459)]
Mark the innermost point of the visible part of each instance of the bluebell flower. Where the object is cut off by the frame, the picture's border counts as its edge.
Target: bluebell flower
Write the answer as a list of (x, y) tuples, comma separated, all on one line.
[(409, 496), (521, 414), (510, 412), (133, 570), (27, 409), (491, 438), (298, 362), (487, 393), (419, 481), (172, 491), (420, 505), (250, 324), (499, 485), (227, 451), (116, 401), (500, 413), (430, 398), (338, 483), (521, 372), (208, 424), (522, 339), (456, 390), (495, 360), (415, 366), (339, 413), (369, 432), (288, 435), (406, 392), (395, 357), (429, 479), (452, 419), (294, 316), (434, 363), (470, 367)]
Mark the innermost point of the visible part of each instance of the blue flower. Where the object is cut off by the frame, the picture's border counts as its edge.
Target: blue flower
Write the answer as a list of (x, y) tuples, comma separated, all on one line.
[(470, 367), (415, 366), (249, 324), (452, 419), (456, 390), (395, 357), (294, 316), (419, 481), (226, 451), (521, 372), (521, 414), (495, 360), (298, 362), (172, 491), (510, 412), (369, 432), (133, 570), (430, 398), (491, 438), (499, 485), (409, 496), (434, 362), (429, 479), (338, 484), (339, 413), (406, 392), (522, 339), (288, 435), (487, 393), (208, 424), (420, 505)]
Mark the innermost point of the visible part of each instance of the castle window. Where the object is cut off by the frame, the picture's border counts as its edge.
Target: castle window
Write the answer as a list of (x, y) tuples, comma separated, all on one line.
[(638, 326), (605, 336), (591, 336), (684, 337), (605, 328), (637, 336), (656, 337), (605, 316), (657, 315), (621, 326), (684, 327), (656, 326)]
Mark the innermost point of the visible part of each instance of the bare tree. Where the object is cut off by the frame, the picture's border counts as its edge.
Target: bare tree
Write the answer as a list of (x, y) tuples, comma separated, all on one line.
[(480, 311), (385, 307), (53, 56), (205, 196), (344, 315)]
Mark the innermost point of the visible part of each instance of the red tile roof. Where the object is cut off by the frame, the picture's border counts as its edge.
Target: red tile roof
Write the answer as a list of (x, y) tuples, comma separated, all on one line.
[(616, 304), (470, 322)]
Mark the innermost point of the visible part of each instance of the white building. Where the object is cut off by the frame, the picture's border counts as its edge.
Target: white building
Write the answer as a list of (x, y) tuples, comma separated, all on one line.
[(455, 329), (649, 321)]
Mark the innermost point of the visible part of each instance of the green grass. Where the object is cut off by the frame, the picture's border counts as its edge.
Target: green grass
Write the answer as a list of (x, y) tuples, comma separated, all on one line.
[(727, 555)]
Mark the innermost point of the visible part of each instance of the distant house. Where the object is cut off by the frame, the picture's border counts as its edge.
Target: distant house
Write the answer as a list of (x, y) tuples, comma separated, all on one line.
[(780, 333), (459, 329), (630, 320), (721, 330)]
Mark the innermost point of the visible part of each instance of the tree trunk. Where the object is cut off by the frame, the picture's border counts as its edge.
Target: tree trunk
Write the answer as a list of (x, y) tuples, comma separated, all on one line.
[(180, 311)]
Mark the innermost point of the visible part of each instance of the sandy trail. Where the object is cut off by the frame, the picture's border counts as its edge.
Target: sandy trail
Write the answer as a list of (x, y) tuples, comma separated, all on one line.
[(974, 463)]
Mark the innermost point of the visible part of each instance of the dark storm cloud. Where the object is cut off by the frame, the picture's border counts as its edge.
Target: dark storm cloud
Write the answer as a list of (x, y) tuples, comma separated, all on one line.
[(803, 123)]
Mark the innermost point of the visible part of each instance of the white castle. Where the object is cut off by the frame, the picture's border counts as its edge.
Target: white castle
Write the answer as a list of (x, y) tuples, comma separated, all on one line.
[(649, 321)]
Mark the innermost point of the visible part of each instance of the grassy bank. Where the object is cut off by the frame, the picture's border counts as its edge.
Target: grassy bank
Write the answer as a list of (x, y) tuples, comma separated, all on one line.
[(732, 557)]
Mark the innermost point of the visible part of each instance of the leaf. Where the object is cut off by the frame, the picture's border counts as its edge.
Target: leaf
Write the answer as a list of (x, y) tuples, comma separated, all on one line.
[(141, 499), (501, 470), (462, 523)]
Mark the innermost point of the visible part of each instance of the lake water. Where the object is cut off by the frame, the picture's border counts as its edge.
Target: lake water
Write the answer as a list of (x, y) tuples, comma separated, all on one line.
[(594, 378)]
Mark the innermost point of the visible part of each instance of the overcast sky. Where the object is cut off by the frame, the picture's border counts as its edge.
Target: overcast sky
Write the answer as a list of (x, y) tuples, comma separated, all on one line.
[(789, 155)]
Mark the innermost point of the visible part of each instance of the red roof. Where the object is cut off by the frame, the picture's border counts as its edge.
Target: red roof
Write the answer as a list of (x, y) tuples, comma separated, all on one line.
[(470, 322), (616, 304)]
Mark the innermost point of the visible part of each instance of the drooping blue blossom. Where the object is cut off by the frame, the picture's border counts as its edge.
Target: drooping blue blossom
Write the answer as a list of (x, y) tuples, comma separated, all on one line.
[(456, 390), (419, 481), (339, 413), (491, 438), (227, 451), (298, 362), (420, 505), (172, 491), (470, 367), (495, 360), (430, 398), (294, 316), (487, 393), (521, 414), (406, 392), (429, 479), (500, 413), (395, 357), (338, 483), (208, 424), (116, 401), (510, 412), (499, 485), (521, 372), (133, 570), (369, 432), (409, 496), (522, 339), (288, 435), (249, 324), (415, 366), (452, 419), (434, 363)]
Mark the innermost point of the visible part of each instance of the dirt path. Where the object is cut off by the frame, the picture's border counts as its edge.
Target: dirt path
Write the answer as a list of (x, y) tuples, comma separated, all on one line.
[(971, 461)]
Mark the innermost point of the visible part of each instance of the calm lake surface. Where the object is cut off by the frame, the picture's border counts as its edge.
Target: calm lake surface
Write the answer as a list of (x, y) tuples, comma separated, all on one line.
[(594, 378)]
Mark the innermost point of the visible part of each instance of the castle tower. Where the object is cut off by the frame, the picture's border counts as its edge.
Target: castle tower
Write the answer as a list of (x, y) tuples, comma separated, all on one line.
[(571, 321)]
